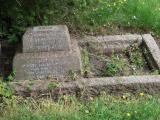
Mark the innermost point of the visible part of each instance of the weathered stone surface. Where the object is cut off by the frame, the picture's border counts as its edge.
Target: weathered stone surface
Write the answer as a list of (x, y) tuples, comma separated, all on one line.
[(46, 38), (31, 66), (153, 48), (120, 85), (133, 38), (113, 85), (109, 44), (120, 80)]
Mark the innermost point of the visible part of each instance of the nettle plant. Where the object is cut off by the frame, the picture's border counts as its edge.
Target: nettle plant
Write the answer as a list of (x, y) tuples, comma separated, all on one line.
[(135, 56), (11, 76), (114, 65), (53, 85), (5, 90), (128, 62)]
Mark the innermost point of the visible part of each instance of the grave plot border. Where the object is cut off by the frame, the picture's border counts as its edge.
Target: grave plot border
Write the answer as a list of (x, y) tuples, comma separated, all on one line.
[(90, 86), (116, 85)]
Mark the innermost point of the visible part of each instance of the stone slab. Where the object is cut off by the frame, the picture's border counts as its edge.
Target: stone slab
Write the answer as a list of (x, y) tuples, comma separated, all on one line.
[(149, 84), (132, 38), (46, 38), (110, 44), (120, 80), (112, 85), (31, 66), (153, 48)]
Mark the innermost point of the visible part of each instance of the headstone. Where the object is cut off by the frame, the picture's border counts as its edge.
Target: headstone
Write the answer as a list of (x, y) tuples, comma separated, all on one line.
[(53, 54), (46, 38)]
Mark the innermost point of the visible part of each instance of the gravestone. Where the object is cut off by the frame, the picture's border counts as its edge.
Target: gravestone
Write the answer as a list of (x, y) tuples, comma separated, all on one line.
[(47, 51), (46, 38)]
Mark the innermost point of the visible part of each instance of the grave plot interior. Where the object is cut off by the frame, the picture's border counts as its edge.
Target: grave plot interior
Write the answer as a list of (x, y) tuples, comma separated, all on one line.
[(119, 55)]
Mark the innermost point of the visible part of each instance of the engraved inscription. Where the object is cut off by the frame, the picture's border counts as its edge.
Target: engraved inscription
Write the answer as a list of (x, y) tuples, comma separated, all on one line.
[(44, 67), (44, 28), (46, 38)]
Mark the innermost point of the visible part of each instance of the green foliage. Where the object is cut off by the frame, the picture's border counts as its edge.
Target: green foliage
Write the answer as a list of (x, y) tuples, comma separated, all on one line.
[(19, 14), (100, 13), (86, 15), (73, 75), (115, 64), (155, 72), (52, 85), (136, 57), (144, 14), (29, 86), (68, 108), (5, 90), (11, 76)]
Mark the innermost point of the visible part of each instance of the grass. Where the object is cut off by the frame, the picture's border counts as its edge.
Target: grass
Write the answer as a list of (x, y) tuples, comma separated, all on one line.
[(105, 107), (137, 14)]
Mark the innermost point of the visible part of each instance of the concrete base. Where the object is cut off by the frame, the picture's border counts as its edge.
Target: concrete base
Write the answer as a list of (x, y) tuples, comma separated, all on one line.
[(31, 66)]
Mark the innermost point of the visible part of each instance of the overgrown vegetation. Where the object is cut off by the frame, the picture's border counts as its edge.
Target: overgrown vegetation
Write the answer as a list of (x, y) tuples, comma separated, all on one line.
[(130, 61), (73, 75), (135, 55), (5, 90), (52, 85), (126, 107), (84, 15), (11, 76), (115, 64)]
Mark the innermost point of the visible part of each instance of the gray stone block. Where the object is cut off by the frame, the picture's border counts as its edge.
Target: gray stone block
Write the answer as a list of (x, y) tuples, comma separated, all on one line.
[(153, 48), (94, 86), (125, 80), (110, 44), (46, 38), (115, 39), (31, 66)]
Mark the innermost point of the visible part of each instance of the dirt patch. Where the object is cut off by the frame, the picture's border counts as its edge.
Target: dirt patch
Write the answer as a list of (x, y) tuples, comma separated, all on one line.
[(130, 61)]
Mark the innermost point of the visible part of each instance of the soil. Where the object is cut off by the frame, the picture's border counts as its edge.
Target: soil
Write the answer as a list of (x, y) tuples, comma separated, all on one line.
[(98, 63)]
